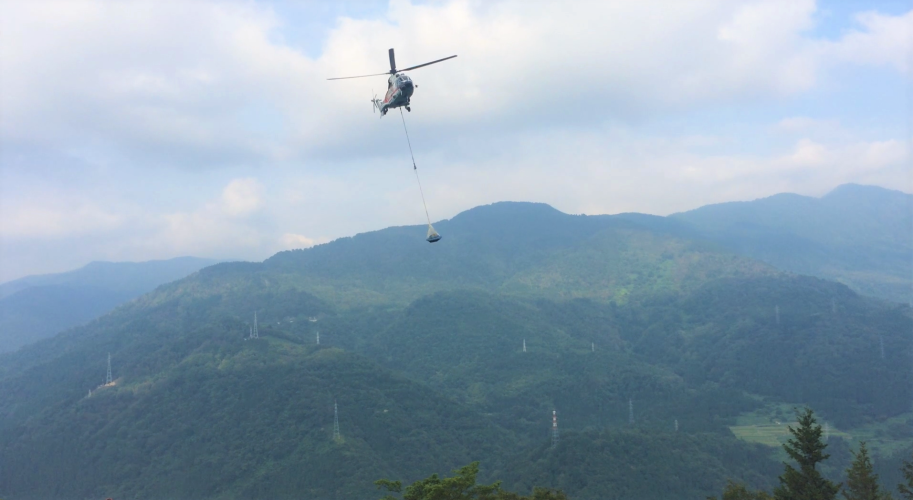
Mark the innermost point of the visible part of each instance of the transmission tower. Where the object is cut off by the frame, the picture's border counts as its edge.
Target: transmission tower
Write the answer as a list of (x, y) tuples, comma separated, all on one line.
[(676, 425), (554, 428), (335, 421), (827, 432), (630, 411), (524, 345), (255, 334), (108, 378), (318, 337)]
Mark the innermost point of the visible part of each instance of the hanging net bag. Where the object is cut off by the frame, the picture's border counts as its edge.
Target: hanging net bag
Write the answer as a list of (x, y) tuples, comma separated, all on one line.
[(432, 234)]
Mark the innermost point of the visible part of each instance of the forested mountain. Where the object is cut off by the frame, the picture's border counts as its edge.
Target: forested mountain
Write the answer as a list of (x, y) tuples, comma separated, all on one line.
[(649, 342), (858, 235), (36, 307)]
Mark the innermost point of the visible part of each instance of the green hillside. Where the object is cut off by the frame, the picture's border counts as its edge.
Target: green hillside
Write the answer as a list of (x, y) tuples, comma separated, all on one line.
[(633, 329), (523, 249), (248, 419), (622, 464), (38, 312), (858, 235)]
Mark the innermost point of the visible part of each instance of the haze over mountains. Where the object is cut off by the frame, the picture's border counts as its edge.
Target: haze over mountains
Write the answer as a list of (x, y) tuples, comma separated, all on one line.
[(651, 336), (36, 307), (861, 236)]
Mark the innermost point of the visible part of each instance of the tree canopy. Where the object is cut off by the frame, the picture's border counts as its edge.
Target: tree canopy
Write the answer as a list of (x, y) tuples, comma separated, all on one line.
[(461, 486), (806, 448)]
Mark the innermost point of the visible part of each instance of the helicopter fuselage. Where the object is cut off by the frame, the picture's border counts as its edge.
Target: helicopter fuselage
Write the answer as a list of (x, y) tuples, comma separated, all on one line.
[(399, 93)]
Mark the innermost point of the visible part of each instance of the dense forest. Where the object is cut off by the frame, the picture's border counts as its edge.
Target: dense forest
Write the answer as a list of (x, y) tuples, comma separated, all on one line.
[(666, 357)]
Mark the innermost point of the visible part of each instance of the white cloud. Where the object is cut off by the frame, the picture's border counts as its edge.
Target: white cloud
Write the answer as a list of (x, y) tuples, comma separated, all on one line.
[(804, 124), (547, 101), (290, 241), (880, 154), (884, 40), (807, 154), (242, 197), (173, 83), (50, 220)]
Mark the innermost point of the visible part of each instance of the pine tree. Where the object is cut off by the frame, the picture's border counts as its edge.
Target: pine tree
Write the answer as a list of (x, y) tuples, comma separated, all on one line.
[(906, 490), (861, 480), (807, 450)]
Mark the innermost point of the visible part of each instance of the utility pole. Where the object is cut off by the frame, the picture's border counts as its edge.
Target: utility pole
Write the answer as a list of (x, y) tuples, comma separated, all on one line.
[(630, 411), (554, 428), (335, 421), (524, 345), (108, 378)]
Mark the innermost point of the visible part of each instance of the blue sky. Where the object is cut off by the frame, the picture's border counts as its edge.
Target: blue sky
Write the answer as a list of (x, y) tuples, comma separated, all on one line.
[(145, 130)]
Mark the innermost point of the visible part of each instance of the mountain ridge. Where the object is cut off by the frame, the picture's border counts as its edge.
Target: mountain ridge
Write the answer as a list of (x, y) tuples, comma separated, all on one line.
[(37, 307), (858, 235), (441, 354)]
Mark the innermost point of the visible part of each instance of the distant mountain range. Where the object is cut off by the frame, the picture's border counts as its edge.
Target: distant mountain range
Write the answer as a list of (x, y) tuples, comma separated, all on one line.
[(650, 336), (36, 307), (861, 236)]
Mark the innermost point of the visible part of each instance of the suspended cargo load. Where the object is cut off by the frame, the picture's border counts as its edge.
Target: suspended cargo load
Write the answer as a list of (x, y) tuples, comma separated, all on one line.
[(432, 234)]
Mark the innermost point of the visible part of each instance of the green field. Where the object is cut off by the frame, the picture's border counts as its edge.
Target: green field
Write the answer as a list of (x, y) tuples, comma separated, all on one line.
[(770, 426)]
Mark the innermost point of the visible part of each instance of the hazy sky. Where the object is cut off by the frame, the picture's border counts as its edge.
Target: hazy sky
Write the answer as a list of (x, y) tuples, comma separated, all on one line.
[(145, 130)]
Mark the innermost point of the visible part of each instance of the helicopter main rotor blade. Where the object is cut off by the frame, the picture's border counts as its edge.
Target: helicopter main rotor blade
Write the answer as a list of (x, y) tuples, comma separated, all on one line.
[(392, 62), (359, 76), (426, 64)]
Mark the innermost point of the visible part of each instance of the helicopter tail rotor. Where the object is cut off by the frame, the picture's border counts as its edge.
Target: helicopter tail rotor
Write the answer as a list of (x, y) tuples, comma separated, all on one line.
[(376, 103)]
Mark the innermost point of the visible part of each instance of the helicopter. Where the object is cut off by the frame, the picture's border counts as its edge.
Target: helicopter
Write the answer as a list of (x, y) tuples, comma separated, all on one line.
[(399, 86)]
